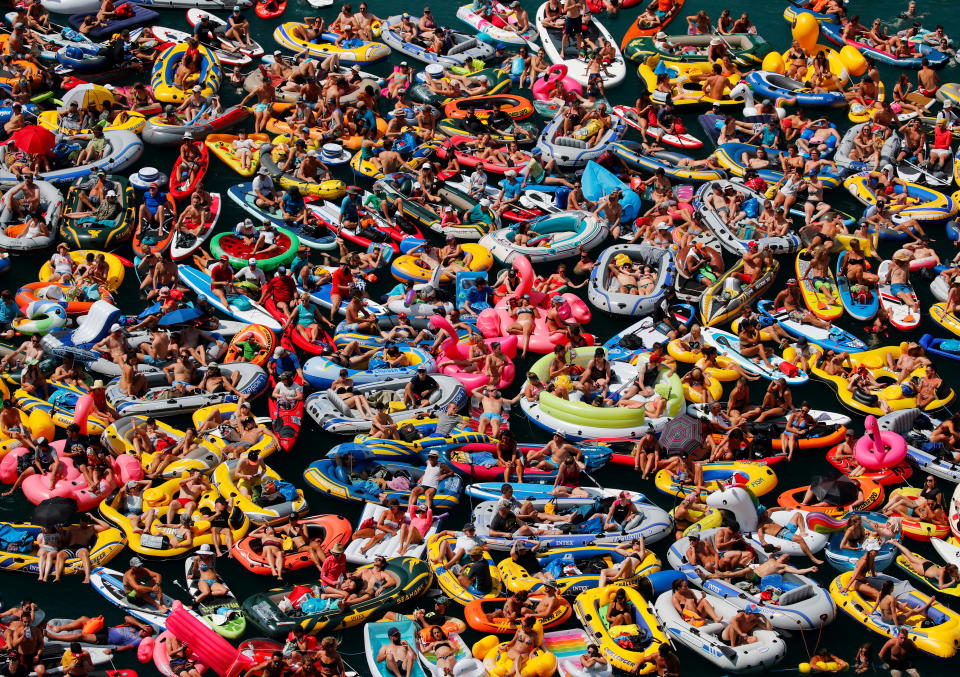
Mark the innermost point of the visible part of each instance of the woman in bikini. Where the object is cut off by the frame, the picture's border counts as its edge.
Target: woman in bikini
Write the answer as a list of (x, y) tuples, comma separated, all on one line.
[(273, 551), (386, 526), (343, 386), (520, 649), (328, 660), (941, 577), (633, 555), (619, 611), (445, 654), (895, 612)]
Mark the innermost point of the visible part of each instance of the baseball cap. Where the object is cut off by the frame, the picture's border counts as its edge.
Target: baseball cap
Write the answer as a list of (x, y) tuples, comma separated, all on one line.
[(252, 261), (136, 562), (393, 632), (115, 327), (752, 609), (197, 88), (111, 193)]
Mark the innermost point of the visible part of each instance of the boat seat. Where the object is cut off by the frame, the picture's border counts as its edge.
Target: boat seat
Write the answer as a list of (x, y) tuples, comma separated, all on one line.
[(570, 141), (796, 595), (462, 46), (712, 628), (338, 402)]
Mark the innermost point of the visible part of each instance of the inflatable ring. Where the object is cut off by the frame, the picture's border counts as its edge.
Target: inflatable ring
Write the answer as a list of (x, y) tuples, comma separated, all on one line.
[(42, 317), (879, 448)]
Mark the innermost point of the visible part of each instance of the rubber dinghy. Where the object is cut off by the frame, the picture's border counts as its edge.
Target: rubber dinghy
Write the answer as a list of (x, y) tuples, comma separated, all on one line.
[(803, 604), (551, 39), (574, 150)]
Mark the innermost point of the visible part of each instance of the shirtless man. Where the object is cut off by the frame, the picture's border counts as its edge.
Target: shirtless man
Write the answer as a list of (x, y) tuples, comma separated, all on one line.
[(189, 490), (77, 539), (29, 351), (701, 553), (928, 387), (927, 78), (114, 344), (899, 274), (250, 434), (715, 85), (908, 361), (492, 403), (790, 299), (756, 572), (144, 585), (398, 655), (740, 628), (132, 382), (27, 643), (573, 23)]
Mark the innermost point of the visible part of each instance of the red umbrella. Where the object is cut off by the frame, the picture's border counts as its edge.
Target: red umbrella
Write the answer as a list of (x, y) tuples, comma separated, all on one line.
[(34, 140)]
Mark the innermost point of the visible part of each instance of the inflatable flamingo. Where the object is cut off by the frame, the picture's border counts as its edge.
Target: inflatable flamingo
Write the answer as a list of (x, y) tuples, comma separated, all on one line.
[(558, 71), (455, 351), (81, 411), (879, 448), (216, 653), (496, 322), (72, 484)]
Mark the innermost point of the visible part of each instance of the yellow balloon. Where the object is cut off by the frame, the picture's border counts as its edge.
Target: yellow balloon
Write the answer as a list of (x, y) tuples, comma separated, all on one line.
[(853, 60), (806, 30), (804, 668), (773, 62)]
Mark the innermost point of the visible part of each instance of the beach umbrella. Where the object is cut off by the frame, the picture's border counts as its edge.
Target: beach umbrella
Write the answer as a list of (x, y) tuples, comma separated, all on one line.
[(835, 490), (681, 436), (34, 140), (56, 510), (86, 94), (181, 315)]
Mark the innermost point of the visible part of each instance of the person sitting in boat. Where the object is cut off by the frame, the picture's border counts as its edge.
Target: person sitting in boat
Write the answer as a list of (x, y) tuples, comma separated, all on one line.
[(894, 612), (190, 64), (192, 106)]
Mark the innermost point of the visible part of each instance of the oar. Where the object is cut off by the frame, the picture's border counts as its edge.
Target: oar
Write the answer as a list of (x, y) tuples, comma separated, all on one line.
[(926, 174)]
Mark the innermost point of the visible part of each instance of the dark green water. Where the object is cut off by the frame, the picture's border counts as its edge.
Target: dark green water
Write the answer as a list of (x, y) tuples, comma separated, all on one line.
[(844, 635)]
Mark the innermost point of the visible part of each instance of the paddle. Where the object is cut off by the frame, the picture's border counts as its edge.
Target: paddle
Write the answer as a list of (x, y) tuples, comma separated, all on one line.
[(929, 176), (720, 35)]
